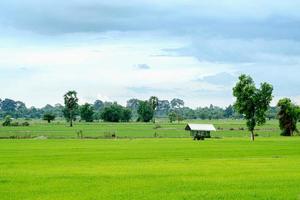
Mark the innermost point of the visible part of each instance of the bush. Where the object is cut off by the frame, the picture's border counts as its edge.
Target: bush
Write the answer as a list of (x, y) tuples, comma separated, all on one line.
[(25, 124), (157, 126), (14, 124)]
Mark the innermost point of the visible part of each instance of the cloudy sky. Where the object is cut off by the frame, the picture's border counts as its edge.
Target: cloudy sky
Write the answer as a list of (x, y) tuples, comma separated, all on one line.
[(115, 50)]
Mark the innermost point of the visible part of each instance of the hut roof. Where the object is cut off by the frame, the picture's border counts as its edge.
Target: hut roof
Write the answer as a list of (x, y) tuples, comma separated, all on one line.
[(200, 127)]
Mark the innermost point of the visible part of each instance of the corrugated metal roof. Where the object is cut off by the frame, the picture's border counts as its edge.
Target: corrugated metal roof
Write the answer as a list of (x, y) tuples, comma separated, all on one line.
[(200, 127)]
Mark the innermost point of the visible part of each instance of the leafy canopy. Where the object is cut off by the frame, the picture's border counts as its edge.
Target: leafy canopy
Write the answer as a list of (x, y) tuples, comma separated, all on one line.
[(145, 111), (288, 116), (71, 106), (87, 112), (252, 102), (48, 117)]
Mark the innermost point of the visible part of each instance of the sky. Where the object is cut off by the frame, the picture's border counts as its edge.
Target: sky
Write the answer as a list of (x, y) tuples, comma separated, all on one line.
[(116, 50)]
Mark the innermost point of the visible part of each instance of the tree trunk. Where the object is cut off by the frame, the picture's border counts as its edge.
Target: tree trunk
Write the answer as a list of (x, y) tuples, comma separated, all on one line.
[(71, 123), (252, 135)]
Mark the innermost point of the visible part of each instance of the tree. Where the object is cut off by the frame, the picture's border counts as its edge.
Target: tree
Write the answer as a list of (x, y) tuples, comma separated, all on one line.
[(154, 103), (177, 103), (116, 113), (127, 114), (163, 108), (71, 106), (172, 116), (87, 112), (228, 112), (98, 105), (49, 117), (253, 103), (7, 120), (145, 111), (9, 106), (288, 116)]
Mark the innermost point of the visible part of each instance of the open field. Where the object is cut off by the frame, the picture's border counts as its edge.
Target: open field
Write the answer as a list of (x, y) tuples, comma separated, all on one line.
[(230, 168), (60, 129)]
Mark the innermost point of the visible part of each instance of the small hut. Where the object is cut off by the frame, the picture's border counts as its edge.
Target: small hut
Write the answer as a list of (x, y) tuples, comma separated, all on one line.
[(200, 131)]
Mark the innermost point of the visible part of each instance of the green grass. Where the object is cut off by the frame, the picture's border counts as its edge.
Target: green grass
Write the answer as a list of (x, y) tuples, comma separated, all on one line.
[(60, 129), (178, 168)]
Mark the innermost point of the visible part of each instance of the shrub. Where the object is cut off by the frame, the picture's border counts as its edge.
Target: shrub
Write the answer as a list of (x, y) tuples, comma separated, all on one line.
[(157, 126), (25, 124), (14, 124)]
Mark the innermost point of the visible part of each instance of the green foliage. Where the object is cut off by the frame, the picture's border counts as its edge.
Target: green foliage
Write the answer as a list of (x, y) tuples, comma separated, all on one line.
[(253, 103), (87, 112), (127, 114), (154, 103), (48, 117), (71, 106), (288, 116), (177, 103), (25, 124), (145, 111), (7, 121), (172, 116), (116, 113)]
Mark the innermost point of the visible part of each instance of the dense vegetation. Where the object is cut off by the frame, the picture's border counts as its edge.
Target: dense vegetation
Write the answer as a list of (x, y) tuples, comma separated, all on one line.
[(18, 109)]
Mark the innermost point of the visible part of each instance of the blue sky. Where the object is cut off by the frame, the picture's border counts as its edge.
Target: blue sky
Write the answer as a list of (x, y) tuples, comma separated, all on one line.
[(115, 50)]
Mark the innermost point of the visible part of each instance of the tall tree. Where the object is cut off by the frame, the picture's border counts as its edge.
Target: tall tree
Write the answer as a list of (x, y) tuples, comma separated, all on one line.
[(71, 106), (253, 103), (154, 103), (288, 116), (145, 111), (87, 112)]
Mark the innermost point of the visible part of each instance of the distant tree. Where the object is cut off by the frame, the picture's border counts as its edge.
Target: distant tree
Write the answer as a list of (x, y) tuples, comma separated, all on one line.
[(98, 105), (177, 103), (71, 106), (116, 113), (172, 116), (127, 114), (48, 117), (288, 116), (9, 106), (145, 111), (154, 103), (228, 112), (133, 105), (7, 120), (272, 112), (253, 103), (87, 112), (163, 108)]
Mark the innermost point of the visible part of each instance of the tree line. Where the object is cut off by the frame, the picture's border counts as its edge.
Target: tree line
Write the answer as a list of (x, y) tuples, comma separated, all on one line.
[(252, 104), (175, 110)]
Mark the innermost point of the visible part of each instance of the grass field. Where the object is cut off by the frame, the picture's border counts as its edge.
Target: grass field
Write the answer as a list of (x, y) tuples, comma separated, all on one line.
[(230, 168), (60, 129), (139, 166)]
